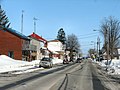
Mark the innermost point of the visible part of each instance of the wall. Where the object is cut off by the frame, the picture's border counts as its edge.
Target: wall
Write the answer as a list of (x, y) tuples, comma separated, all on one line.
[(37, 43), (55, 46), (10, 42)]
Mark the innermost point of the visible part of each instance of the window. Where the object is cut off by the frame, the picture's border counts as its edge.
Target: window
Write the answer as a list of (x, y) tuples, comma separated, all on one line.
[(11, 54)]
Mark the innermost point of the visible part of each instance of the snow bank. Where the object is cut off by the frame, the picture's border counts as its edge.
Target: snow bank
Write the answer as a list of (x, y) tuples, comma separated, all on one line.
[(113, 67), (57, 61), (9, 64)]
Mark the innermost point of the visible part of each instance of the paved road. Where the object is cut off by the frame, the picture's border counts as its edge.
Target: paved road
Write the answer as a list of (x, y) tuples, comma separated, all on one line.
[(84, 78), (80, 76)]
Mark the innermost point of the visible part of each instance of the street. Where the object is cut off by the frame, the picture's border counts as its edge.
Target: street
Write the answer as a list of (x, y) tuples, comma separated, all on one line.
[(78, 76)]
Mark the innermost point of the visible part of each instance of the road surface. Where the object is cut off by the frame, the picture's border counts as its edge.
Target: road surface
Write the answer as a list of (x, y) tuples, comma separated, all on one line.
[(78, 76)]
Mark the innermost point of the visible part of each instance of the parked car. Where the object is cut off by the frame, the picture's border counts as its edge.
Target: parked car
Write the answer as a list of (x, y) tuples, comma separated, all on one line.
[(99, 58), (46, 62), (65, 61), (79, 60)]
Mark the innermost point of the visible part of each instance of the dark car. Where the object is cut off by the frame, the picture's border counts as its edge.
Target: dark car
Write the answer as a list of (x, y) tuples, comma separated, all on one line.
[(79, 60), (65, 61)]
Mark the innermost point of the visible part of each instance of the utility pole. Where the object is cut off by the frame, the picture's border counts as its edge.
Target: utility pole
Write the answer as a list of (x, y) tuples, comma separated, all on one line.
[(22, 21), (35, 19), (94, 45), (98, 47)]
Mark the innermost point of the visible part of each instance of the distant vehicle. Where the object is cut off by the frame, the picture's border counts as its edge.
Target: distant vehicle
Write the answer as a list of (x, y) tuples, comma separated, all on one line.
[(79, 60), (99, 58), (46, 62), (65, 61)]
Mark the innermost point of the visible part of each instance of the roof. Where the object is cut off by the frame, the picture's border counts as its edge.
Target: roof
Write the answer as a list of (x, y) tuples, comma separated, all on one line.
[(16, 33), (54, 41), (37, 37)]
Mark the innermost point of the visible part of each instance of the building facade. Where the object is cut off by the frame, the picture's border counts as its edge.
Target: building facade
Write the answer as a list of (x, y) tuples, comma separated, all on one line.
[(40, 44), (13, 43), (57, 48)]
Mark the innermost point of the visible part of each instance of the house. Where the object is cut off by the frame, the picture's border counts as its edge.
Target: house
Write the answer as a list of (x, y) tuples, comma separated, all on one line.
[(57, 48), (116, 53), (14, 44), (40, 43)]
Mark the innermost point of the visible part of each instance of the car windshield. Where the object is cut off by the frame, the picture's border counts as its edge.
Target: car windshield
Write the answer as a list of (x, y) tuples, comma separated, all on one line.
[(45, 59)]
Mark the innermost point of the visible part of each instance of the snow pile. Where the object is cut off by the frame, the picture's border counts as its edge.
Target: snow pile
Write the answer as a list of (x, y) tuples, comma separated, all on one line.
[(9, 64), (57, 61), (113, 66)]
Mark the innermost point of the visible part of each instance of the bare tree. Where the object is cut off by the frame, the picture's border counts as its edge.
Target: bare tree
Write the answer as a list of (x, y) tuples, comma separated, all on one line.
[(72, 44), (110, 30)]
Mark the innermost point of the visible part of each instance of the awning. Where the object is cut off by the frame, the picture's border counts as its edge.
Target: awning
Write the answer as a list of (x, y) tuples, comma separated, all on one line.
[(54, 52)]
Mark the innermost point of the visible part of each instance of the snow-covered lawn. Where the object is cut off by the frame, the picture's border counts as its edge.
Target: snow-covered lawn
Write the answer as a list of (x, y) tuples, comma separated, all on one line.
[(8, 64), (113, 67)]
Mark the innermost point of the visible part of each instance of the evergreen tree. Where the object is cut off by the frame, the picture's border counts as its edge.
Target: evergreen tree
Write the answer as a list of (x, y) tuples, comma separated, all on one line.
[(4, 22), (61, 36)]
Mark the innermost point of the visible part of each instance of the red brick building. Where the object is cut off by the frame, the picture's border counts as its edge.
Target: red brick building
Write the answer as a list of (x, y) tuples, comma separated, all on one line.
[(14, 44)]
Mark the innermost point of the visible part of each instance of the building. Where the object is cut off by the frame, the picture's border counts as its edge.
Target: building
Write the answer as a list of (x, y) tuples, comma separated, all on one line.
[(14, 44), (40, 43), (56, 47), (116, 53)]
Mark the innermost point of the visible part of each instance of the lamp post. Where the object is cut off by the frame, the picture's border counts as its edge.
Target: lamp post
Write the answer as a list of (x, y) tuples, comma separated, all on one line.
[(98, 41)]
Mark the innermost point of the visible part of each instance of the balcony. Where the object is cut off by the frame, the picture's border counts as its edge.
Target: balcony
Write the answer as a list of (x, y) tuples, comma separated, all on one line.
[(30, 47)]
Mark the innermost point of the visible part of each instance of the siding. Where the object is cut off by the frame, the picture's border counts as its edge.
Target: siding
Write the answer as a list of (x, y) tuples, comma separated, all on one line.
[(10, 42)]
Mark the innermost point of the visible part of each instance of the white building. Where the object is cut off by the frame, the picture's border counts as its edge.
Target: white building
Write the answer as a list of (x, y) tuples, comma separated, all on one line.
[(57, 48)]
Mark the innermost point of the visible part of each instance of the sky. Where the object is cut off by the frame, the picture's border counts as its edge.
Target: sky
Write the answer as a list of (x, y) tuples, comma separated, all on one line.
[(79, 17)]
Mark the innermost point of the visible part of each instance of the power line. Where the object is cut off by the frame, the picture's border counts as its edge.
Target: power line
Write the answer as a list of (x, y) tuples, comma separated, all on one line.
[(86, 34), (87, 37)]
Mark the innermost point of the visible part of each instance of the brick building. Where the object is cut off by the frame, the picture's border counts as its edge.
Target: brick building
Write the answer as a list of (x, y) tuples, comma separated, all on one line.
[(14, 44)]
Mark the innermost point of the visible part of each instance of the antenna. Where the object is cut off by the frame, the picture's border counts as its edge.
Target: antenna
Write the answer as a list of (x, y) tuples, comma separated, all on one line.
[(35, 19), (22, 21)]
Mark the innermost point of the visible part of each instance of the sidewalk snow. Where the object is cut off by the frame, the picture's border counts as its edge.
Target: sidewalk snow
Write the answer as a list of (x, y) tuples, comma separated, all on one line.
[(113, 67), (8, 64)]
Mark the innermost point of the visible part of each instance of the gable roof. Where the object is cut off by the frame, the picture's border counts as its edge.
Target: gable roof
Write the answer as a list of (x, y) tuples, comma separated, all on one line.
[(37, 37), (10, 30), (54, 41)]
